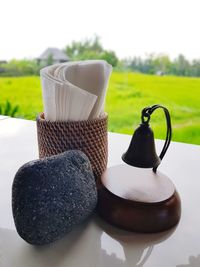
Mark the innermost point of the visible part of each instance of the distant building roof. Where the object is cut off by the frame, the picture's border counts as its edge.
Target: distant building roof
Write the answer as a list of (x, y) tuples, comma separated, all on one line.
[(57, 54)]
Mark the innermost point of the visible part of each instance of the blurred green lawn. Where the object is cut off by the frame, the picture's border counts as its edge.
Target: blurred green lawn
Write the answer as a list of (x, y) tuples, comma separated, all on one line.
[(128, 93)]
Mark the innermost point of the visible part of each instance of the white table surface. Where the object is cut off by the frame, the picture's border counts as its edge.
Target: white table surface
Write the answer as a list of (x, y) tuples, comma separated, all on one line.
[(95, 243), (2, 117)]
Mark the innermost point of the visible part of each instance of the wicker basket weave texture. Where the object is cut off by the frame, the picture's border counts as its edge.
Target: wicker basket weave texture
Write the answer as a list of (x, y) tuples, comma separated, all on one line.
[(88, 136)]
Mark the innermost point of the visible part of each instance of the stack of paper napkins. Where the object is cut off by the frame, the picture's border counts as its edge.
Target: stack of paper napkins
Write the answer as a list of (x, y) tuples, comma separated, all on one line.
[(75, 91)]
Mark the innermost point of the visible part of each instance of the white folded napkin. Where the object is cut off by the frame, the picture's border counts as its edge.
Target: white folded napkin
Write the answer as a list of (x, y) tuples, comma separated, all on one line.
[(75, 90)]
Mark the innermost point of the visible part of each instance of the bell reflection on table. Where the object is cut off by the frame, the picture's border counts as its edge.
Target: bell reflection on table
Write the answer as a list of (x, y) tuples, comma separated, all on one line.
[(93, 243), (120, 248), (193, 262), (119, 254)]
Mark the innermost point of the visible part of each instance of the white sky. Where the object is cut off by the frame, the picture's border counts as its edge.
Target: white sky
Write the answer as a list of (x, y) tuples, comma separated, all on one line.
[(130, 27)]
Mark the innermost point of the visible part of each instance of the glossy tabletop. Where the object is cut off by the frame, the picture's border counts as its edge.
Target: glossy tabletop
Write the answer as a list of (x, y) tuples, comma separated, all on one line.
[(96, 243), (2, 117)]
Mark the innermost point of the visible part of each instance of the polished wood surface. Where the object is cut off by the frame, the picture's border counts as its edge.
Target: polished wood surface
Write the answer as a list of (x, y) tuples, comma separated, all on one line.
[(137, 184), (138, 216)]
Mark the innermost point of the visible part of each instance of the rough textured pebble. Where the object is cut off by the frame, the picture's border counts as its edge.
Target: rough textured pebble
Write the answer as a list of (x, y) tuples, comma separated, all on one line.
[(50, 196)]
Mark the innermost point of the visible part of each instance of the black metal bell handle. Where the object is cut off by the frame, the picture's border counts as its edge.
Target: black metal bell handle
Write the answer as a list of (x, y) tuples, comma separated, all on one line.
[(146, 115)]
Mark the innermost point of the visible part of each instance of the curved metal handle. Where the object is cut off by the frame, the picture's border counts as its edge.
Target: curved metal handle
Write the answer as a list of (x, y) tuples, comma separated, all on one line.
[(146, 113)]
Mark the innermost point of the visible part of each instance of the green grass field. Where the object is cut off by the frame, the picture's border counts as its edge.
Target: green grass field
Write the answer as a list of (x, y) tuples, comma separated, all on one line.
[(128, 93)]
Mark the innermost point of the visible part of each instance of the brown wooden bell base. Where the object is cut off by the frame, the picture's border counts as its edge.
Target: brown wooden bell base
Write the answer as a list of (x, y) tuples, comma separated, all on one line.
[(138, 216)]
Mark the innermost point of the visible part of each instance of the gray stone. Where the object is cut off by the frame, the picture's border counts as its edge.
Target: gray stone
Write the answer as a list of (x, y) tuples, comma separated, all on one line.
[(50, 196)]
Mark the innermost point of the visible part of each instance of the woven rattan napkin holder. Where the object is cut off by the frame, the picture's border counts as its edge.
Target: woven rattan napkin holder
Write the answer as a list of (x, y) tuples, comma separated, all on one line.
[(89, 136)]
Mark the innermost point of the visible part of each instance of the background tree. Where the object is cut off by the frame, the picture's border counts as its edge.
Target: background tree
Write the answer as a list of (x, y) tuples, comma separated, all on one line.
[(50, 60), (181, 66), (20, 68), (195, 68), (90, 49), (161, 64)]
